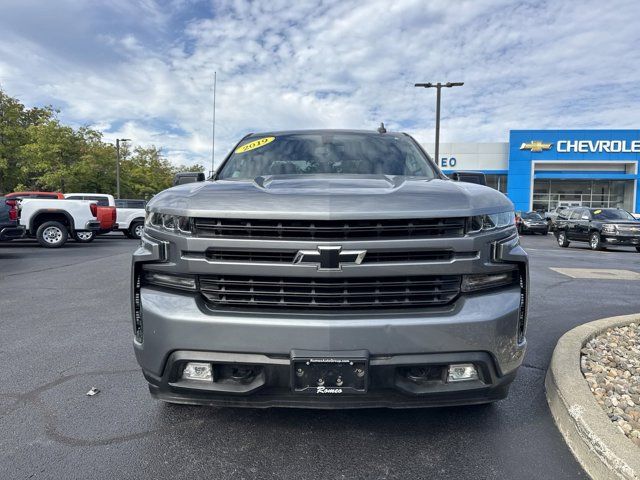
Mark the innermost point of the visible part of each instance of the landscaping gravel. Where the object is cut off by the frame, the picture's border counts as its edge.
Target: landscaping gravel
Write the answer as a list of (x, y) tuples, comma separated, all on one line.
[(611, 364)]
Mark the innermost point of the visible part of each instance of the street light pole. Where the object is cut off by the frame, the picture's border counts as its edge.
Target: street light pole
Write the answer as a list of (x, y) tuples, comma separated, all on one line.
[(213, 124), (118, 140), (438, 86)]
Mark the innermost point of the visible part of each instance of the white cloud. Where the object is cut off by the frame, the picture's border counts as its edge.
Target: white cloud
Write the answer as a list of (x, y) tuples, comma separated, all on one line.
[(349, 64)]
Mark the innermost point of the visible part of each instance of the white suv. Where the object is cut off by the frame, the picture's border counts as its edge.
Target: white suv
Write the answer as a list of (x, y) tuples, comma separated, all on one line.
[(130, 217)]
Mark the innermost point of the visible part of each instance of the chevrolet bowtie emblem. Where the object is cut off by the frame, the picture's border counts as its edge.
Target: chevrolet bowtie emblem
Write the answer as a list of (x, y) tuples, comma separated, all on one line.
[(536, 146), (329, 257)]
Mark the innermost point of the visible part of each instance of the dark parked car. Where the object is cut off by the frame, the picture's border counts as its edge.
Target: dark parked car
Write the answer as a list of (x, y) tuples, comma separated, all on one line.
[(532, 222), (552, 215), (600, 227), (9, 228)]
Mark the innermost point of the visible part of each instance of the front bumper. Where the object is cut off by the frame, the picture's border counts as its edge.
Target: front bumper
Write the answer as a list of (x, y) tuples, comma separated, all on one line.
[(479, 329), (622, 240), (11, 233), (535, 228), (389, 387)]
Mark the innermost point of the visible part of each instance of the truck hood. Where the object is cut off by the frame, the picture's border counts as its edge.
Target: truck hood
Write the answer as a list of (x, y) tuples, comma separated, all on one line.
[(330, 197)]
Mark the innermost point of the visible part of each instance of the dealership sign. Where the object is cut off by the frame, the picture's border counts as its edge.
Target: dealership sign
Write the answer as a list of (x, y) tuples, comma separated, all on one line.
[(585, 146)]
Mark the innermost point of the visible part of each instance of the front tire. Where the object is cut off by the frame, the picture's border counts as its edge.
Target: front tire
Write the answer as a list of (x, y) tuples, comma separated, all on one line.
[(84, 237), (595, 242), (562, 239), (136, 229), (52, 234)]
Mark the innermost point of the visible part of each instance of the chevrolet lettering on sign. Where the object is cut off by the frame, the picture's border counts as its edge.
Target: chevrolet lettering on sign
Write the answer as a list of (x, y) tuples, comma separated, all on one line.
[(589, 146)]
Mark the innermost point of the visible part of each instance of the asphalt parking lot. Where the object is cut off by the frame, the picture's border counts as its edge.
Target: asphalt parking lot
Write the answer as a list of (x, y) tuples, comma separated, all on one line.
[(65, 327)]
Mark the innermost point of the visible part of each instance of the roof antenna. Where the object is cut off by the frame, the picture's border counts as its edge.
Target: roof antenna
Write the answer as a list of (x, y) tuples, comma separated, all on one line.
[(381, 128)]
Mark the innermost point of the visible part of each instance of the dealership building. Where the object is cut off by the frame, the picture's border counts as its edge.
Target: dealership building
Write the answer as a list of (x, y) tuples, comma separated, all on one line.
[(541, 169)]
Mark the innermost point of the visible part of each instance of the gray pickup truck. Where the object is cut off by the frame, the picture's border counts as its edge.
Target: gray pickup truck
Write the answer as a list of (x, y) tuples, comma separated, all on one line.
[(329, 269)]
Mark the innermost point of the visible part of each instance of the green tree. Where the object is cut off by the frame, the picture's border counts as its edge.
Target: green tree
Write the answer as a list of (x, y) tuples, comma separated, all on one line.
[(15, 121), (49, 155), (146, 172)]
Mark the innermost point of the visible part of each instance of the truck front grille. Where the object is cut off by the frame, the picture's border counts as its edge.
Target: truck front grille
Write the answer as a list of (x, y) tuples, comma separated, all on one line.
[(330, 229), (288, 256), (342, 293)]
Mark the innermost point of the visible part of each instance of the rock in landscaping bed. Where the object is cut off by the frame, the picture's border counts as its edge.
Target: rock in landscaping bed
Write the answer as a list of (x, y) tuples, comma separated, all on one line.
[(611, 364)]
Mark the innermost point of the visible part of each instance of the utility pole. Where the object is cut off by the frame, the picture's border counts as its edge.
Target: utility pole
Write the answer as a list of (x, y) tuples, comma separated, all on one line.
[(213, 124), (118, 140), (438, 86)]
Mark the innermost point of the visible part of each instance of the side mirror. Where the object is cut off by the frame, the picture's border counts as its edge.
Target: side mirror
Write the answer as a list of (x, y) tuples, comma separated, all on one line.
[(469, 177), (187, 177)]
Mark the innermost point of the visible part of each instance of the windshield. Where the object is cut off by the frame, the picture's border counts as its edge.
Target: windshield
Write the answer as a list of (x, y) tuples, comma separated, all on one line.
[(322, 153), (617, 214), (532, 216)]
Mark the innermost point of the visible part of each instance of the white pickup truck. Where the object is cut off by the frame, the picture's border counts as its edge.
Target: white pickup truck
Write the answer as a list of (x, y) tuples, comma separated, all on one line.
[(130, 217), (52, 222)]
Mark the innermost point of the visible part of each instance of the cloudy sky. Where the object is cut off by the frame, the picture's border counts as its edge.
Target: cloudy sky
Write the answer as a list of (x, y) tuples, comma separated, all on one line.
[(144, 69)]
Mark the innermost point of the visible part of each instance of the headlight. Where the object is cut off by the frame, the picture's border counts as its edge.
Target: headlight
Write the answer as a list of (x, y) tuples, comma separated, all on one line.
[(472, 283), (492, 221), (153, 219), (170, 223), (609, 228)]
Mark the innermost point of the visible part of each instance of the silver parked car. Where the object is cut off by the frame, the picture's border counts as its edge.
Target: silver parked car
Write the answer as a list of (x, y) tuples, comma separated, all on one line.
[(329, 269)]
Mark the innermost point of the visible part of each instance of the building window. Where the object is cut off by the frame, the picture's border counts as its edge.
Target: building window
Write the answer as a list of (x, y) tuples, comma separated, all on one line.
[(548, 194), (499, 182)]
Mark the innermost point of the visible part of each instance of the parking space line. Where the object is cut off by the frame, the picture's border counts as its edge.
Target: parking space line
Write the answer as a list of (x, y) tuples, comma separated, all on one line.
[(598, 273)]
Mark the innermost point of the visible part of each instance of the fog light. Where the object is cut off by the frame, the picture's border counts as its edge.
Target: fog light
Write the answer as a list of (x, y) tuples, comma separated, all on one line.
[(461, 372), (198, 371)]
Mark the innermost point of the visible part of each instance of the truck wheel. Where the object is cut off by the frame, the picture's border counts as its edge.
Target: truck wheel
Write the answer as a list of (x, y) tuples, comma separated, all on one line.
[(52, 234), (136, 229), (562, 239), (594, 241), (84, 237)]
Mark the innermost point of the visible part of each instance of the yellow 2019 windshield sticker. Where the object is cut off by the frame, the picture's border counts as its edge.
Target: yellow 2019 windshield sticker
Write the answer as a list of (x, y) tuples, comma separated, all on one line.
[(597, 212), (261, 142)]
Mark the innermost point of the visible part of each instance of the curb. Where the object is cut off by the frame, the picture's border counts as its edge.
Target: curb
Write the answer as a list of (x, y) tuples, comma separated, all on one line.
[(596, 443)]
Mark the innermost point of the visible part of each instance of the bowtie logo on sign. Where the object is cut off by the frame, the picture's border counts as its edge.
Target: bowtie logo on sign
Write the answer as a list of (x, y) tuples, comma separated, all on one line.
[(536, 146)]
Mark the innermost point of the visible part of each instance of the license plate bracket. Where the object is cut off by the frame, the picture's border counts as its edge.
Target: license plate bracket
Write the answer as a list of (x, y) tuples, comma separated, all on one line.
[(329, 373)]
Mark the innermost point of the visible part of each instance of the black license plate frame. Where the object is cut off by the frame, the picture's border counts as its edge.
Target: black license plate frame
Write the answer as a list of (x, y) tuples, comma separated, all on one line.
[(329, 373)]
